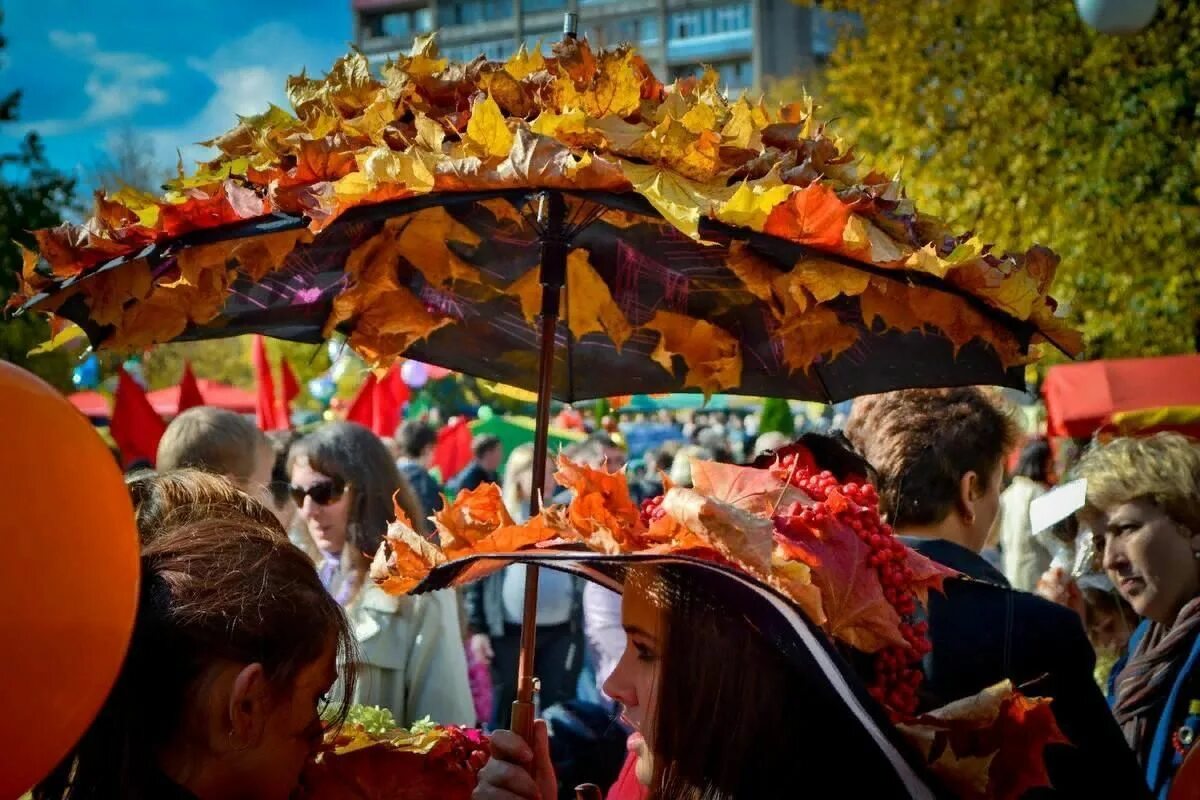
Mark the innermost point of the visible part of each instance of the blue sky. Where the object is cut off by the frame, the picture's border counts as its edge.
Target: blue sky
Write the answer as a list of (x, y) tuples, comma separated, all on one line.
[(174, 71)]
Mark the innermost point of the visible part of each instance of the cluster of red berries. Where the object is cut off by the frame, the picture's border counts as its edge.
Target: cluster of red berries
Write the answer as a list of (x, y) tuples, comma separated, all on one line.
[(896, 676), (652, 509)]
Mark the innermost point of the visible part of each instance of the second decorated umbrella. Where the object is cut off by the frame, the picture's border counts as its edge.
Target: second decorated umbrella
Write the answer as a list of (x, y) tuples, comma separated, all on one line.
[(565, 224)]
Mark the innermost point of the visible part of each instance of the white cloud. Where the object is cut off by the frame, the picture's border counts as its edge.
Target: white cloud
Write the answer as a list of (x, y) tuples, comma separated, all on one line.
[(117, 85), (249, 73)]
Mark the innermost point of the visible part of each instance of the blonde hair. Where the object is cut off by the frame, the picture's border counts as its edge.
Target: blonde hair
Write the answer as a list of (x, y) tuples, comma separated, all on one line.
[(517, 484), (214, 440), (1163, 468)]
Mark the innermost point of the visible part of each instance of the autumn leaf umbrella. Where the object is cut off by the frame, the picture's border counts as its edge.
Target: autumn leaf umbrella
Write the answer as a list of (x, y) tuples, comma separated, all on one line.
[(567, 225)]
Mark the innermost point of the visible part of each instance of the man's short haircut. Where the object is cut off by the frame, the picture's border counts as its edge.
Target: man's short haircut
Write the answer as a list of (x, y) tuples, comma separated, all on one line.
[(414, 436), (923, 441), (483, 444), (213, 440)]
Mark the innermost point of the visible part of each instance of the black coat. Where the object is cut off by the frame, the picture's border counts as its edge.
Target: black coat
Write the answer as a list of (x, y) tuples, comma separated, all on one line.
[(471, 478), (982, 632)]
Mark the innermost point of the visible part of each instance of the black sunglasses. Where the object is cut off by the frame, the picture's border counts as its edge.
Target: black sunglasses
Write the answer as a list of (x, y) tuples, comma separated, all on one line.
[(322, 493)]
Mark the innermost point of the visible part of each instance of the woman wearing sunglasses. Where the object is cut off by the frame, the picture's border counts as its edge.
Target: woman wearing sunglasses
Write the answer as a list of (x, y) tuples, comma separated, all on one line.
[(411, 657)]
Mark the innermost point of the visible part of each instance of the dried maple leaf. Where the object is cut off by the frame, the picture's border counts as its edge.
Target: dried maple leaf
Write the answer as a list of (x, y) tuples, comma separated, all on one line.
[(814, 215), (474, 514), (999, 730), (424, 238), (825, 279), (754, 490), (108, 293), (794, 578), (759, 275), (487, 129), (743, 538), (812, 335), (712, 355), (927, 574), (852, 598), (71, 249), (600, 502), (862, 239), (677, 198), (590, 304), (403, 559), (751, 203)]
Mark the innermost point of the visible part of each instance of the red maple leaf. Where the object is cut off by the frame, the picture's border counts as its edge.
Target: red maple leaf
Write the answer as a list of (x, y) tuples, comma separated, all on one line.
[(815, 216)]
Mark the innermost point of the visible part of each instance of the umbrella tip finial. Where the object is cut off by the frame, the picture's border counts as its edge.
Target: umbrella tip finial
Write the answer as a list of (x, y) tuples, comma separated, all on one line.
[(570, 25)]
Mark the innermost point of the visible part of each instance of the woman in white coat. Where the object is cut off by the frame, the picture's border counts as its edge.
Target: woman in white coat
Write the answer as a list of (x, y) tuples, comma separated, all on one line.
[(410, 649)]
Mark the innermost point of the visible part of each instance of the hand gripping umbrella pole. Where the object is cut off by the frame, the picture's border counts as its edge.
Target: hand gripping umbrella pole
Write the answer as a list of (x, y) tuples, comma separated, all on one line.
[(551, 214)]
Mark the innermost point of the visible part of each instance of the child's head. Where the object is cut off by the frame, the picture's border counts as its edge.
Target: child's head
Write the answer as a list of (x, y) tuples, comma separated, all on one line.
[(235, 646), (220, 442)]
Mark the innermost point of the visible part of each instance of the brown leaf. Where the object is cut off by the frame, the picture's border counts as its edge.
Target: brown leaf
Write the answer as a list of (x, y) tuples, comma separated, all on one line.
[(713, 357), (738, 535), (474, 514), (754, 490), (813, 335)]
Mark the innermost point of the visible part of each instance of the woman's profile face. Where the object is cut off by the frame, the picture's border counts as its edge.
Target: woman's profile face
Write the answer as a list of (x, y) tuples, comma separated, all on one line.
[(1148, 556), (327, 524), (633, 683)]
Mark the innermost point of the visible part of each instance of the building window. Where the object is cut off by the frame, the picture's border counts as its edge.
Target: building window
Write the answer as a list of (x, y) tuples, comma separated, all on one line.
[(534, 6), (472, 12), (734, 74), (493, 50), (403, 24), (709, 21)]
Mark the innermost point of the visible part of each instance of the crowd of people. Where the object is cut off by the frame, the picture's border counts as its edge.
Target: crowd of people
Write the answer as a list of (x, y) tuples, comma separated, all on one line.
[(246, 640)]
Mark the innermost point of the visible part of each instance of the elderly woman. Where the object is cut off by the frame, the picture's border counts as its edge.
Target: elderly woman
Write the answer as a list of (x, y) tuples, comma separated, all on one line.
[(1143, 507)]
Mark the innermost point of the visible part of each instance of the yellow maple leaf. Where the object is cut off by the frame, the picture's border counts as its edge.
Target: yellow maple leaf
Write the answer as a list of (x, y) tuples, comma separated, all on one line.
[(743, 129), (758, 274), (524, 63), (423, 239), (825, 279), (712, 355), (423, 60), (677, 198), (157, 319), (107, 293), (488, 129), (590, 304), (813, 334), (752, 201), (559, 126)]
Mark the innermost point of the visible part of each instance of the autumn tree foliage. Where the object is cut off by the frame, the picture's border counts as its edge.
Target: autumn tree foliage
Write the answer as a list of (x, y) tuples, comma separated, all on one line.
[(1014, 118)]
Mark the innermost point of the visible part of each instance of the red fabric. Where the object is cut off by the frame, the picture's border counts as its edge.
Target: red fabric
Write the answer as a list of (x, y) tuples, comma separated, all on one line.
[(627, 786), (135, 426), (362, 407), (189, 391), (91, 404), (379, 403), (1081, 398), (215, 393), (289, 390), (453, 449), (266, 412)]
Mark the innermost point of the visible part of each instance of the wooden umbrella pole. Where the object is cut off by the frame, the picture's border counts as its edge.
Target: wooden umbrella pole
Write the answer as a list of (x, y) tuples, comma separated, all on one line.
[(552, 212)]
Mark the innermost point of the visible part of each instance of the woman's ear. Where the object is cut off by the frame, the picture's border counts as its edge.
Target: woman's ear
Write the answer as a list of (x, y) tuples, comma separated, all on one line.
[(970, 489), (249, 705)]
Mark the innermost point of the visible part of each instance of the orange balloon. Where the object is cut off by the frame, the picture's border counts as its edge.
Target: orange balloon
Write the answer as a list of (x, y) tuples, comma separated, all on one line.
[(68, 576)]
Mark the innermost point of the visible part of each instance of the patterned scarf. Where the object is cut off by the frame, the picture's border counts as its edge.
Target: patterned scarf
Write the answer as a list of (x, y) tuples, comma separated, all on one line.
[(1144, 683)]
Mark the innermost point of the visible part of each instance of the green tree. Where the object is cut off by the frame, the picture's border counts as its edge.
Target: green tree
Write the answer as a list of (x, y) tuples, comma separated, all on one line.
[(1013, 118), (777, 416), (32, 195)]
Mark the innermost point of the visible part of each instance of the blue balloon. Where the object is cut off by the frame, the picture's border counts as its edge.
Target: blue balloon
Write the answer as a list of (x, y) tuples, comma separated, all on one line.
[(322, 388), (87, 374)]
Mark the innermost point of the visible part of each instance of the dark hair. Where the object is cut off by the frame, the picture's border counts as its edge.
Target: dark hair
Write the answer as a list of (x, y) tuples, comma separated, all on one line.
[(227, 588), (414, 436), (733, 729), (1034, 461), (281, 443), (351, 452), (483, 444), (162, 501), (923, 441)]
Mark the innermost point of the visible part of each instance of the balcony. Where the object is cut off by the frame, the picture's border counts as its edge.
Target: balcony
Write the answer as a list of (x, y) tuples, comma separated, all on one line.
[(710, 46)]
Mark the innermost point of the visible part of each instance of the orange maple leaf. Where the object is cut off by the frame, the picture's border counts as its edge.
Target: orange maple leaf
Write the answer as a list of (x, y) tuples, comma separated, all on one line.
[(601, 505), (403, 559), (815, 216), (474, 514), (712, 355)]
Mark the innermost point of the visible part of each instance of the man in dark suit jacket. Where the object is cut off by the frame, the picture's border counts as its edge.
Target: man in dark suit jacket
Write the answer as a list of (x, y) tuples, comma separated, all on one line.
[(939, 458), (484, 469)]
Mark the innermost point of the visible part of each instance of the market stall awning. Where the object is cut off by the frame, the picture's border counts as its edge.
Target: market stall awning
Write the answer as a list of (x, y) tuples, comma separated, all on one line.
[(1083, 398), (215, 393), (92, 405)]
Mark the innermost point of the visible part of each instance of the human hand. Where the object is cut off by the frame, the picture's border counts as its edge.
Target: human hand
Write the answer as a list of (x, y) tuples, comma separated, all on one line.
[(481, 648), (1057, 586), (515, 772)]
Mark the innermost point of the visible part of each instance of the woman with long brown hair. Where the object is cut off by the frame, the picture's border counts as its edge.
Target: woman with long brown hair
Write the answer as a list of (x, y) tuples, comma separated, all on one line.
[(234, 651), (411, 653)]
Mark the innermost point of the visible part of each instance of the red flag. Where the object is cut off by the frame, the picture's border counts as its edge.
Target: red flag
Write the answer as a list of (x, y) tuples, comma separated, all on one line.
[(362, 407), (134, 426), (453, 449), (289, 390), (265, 411), (391, 393), (189, 390)]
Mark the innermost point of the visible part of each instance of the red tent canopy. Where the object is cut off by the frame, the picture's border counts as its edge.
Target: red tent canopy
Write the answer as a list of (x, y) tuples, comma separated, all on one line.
[(92, 405), (1081, 398), (221, 395)]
